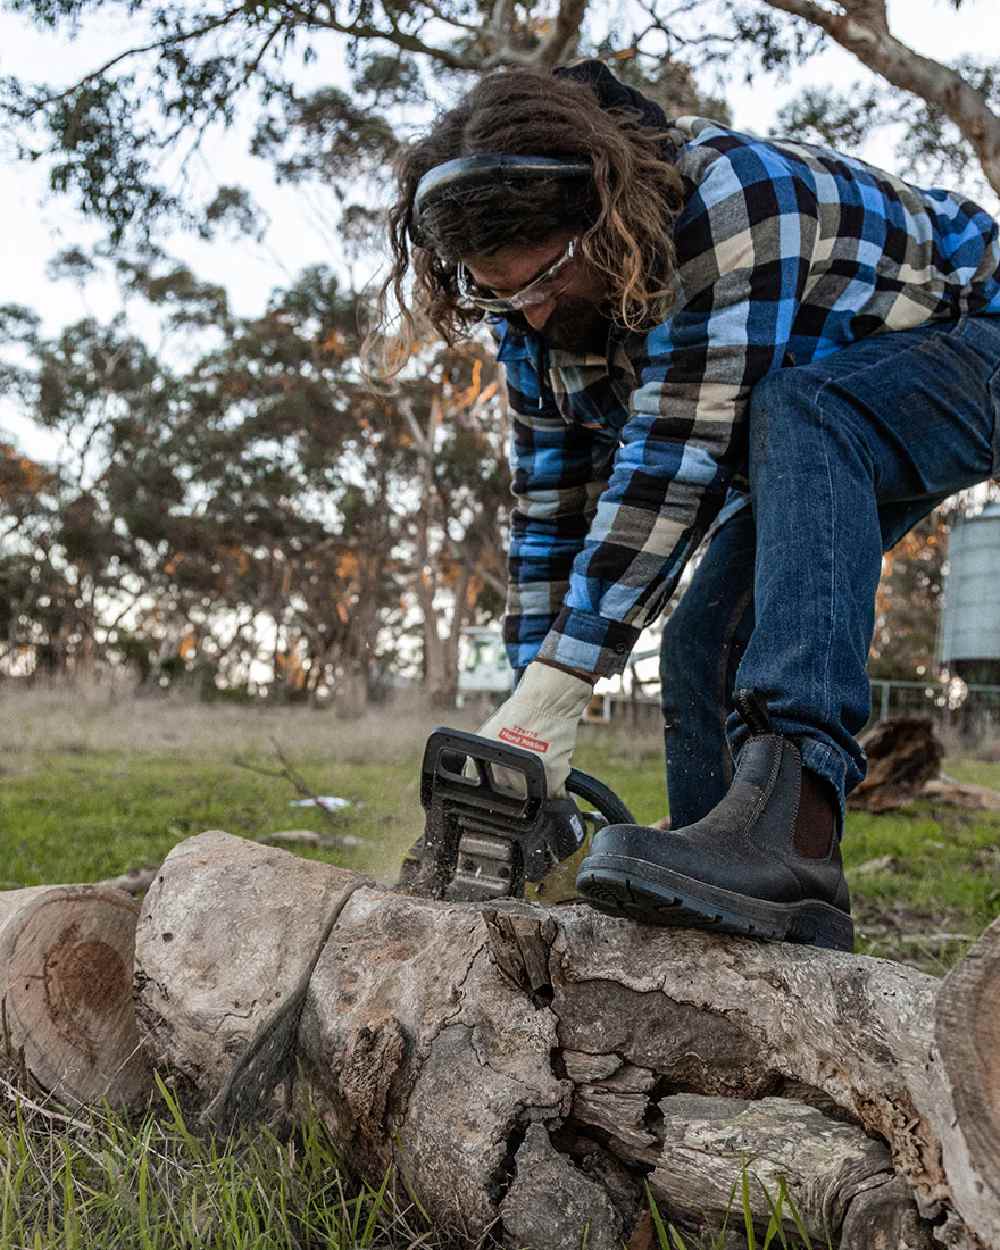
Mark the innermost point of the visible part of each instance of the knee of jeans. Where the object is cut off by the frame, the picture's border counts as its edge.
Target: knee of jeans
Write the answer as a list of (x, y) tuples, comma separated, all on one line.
[(779, 405)]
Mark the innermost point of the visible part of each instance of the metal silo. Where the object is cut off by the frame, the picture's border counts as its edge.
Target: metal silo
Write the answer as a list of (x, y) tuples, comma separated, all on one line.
[(970, 619)]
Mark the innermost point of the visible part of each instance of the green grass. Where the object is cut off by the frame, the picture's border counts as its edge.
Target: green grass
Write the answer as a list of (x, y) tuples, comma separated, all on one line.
[(87, 813), (943, 886), (96, 1182), (82, 818)]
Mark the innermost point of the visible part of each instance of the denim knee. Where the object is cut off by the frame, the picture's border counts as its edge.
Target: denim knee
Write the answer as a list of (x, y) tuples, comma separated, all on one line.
[(782, 405)]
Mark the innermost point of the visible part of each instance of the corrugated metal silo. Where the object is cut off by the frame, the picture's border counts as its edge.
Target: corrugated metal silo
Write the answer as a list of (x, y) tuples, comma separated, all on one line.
[(970, 618)]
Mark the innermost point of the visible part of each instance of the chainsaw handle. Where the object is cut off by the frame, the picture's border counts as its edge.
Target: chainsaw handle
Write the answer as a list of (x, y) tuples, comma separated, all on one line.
[(598, 795)]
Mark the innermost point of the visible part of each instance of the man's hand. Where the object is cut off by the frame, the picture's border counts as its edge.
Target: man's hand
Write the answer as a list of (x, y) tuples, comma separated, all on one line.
[(542, 715)]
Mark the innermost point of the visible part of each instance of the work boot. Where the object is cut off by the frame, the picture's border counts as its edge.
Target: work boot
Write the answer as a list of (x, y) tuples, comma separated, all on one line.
[(765, 862)]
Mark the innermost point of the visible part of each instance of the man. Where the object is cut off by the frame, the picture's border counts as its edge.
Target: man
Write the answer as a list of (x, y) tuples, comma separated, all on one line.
[(705, 330)]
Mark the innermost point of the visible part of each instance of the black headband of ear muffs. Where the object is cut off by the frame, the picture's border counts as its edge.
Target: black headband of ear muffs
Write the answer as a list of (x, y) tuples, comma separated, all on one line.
[(449, 180)]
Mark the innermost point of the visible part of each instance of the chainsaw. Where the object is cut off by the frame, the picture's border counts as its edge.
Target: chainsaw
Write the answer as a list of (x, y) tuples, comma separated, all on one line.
[(490, 824)]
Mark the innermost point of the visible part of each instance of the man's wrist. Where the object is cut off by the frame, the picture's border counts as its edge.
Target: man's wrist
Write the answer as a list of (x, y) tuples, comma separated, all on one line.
[(563, 668)]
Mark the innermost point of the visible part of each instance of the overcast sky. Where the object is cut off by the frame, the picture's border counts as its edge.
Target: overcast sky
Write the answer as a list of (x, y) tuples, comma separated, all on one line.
[(35, 228)]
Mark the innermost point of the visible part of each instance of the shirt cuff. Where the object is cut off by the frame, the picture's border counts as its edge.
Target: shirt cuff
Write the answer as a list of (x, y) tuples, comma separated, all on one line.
[(589, 643), (523, 636)]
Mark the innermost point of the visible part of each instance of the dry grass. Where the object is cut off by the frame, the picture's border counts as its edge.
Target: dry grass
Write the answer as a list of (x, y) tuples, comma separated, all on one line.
[(89, 718)]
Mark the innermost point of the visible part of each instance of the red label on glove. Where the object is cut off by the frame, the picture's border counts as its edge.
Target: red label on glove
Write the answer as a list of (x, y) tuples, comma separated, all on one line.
[(519, 737)]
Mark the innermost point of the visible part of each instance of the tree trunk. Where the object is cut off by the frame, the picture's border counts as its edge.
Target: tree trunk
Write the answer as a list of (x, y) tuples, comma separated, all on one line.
[(496, 1056), (66, 989), (350, 690), (903, 755)]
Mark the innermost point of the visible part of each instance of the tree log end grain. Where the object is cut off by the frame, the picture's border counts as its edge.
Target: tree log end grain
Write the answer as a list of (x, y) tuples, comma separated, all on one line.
[(66, 954), (967, 1037)]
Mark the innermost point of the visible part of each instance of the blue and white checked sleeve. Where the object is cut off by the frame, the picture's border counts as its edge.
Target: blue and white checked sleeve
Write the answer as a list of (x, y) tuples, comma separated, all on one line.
[(558, 472), (744, 244)]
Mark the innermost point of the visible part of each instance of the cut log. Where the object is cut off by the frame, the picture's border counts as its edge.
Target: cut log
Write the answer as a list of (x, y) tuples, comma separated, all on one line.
[(967, 1114), (66, 957), (475, 1049), (903, 753)]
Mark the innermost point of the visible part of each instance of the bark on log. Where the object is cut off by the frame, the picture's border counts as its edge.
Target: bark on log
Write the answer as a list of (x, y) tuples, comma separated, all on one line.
[(481, 1049), (227, 940), (66, 957), (828, 1170)]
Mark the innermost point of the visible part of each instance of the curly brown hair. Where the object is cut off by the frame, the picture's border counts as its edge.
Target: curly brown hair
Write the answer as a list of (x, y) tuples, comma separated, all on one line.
[(625, 216)]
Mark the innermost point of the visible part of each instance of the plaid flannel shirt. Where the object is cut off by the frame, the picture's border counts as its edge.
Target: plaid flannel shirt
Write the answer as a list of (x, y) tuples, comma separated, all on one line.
[(785, 253)]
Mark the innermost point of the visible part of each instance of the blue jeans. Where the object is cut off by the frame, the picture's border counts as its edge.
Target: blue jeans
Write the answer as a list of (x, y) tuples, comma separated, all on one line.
[(846, 455)]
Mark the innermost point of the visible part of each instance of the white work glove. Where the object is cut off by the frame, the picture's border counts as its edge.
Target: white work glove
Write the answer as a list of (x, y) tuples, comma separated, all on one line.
[(541, 715)]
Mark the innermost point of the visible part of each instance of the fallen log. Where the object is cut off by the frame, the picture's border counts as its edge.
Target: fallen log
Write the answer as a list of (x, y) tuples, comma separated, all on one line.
[(132, 881), (66, 956), (493, 1054), (961, 794)]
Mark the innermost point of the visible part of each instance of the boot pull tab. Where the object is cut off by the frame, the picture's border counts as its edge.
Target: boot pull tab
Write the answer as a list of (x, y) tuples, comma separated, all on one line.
[(751, 706)]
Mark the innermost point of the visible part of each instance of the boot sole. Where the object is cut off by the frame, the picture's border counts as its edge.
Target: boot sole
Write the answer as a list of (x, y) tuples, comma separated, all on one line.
[(619, 885)]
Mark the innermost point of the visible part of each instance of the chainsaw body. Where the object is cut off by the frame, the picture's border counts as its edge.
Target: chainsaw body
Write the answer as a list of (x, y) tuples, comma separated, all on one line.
[(490, 825)]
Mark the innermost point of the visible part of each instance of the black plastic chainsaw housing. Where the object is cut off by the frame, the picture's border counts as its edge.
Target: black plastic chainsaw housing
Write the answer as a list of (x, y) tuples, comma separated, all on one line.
[(490, 824)]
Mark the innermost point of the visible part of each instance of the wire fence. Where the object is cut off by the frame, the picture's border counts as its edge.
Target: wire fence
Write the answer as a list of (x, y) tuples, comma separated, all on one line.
[(969, 712)]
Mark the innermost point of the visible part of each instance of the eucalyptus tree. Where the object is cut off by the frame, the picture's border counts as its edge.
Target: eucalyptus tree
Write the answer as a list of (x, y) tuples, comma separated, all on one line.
[(80, 534)]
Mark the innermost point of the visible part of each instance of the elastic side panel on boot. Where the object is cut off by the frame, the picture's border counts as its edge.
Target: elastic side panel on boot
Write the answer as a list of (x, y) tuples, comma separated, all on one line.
[(816, 824)]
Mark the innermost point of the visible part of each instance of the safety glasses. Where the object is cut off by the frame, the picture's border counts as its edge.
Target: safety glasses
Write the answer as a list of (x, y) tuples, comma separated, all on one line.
[(536, 292)]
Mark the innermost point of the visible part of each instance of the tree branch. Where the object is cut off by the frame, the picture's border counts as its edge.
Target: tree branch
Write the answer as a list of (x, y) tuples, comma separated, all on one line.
[(501, 20), (398, 38), (436, 11), (157, 46), (871, 12), (565, 33), (873, 44)]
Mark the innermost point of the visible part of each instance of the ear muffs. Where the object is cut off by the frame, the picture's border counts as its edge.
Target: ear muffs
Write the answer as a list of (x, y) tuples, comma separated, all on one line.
[(451, 181)]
